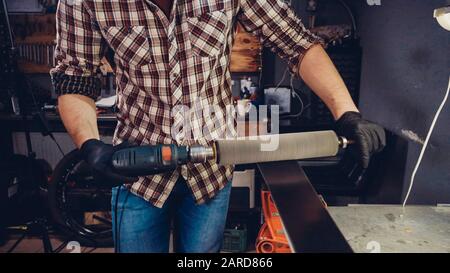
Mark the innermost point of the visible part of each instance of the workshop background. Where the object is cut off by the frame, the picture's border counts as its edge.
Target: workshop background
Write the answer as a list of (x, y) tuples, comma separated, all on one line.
[(392, 54), (404, 75)]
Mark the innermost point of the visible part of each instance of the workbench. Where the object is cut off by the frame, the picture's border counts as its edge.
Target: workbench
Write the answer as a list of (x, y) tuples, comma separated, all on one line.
[(387, 229), (310, 226)]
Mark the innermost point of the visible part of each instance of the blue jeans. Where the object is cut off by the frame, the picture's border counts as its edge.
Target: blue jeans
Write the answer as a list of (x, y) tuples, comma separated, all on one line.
[(144, 228)]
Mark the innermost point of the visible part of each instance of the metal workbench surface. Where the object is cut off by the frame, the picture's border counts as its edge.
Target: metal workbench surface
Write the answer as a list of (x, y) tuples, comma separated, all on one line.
[(385, 229)]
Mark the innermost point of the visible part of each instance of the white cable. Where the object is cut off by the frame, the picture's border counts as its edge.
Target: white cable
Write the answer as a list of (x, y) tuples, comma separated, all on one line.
[(292, 82), (282, 79), (294, 93), (425, 144), (302, 105)]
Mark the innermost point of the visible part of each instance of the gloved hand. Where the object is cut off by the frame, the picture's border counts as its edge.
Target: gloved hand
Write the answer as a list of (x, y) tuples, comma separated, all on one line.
[(98, 155), (369, 137)]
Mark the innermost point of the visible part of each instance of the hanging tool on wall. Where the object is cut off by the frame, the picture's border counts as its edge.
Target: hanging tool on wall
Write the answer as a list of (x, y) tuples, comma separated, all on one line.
[(154, 159)]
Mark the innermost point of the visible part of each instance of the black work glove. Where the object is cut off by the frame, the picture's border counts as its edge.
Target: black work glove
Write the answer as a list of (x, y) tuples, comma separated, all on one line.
[(368, 137), (98, 155)]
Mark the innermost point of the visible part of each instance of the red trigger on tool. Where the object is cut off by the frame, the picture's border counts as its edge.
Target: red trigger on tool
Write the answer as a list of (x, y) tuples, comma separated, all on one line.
[(166, 153)]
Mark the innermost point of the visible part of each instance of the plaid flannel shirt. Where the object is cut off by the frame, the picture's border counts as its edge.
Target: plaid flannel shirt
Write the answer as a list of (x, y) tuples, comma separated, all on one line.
[(167, 61)]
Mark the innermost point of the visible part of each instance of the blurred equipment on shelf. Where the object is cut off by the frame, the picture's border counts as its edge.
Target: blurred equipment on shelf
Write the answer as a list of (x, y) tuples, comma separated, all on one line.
[(333, 34), (25, 6), (37, 53), (249, 89), (278, 96), (107, 103), (34, 35), (32, 6), (15, 86)]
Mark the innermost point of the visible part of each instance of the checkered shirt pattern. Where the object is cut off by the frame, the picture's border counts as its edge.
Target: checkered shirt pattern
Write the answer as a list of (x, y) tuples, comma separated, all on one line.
[(164, 62)]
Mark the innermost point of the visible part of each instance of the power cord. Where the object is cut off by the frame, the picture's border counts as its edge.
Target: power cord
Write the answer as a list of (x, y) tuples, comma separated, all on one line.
[(294, 92), (351, 16), (425, 144), (57, 144), (282, 79)]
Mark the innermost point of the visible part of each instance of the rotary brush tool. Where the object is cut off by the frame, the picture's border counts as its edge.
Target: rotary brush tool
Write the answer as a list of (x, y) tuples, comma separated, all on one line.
[(161, 158)]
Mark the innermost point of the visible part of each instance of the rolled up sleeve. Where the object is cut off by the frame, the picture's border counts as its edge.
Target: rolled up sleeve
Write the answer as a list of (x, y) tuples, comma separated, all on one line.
[(79, 50), (278, 28)]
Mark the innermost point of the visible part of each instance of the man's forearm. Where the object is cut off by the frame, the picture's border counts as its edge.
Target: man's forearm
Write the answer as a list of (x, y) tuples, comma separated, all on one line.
[(320, 74), (79, 116)]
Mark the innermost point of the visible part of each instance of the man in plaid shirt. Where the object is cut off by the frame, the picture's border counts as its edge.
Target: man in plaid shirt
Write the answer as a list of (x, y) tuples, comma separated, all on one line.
[(170, 54)]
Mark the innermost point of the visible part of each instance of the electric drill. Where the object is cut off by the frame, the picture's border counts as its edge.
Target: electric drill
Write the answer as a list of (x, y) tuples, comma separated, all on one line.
[(161, 158), (155, 159)]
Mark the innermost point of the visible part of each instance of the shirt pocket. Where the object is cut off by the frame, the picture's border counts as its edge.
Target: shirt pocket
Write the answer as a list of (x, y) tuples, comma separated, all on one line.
[(130, 44), (207, 33)]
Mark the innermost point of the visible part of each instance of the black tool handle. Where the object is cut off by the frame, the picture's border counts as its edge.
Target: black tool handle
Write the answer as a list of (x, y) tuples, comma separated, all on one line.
[(149, 159)]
